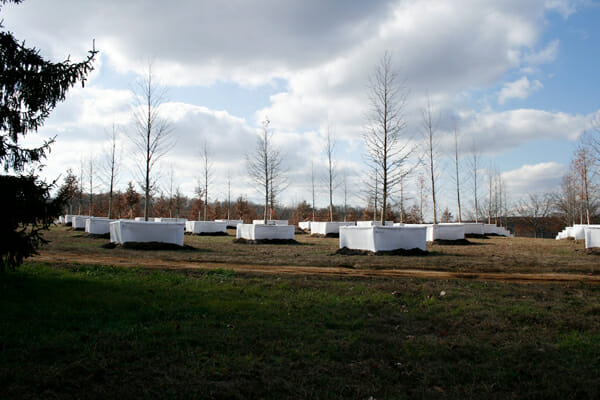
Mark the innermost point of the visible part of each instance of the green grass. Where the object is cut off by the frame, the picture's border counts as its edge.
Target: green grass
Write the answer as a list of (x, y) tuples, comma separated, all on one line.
[(104, 332)]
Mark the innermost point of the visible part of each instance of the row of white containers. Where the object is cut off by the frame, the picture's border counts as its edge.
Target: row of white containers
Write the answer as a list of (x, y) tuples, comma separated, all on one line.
[(366, 236), (591, 234)]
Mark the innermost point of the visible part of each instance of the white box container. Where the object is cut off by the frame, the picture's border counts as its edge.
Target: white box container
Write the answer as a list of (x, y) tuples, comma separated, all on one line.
[(383, 238), (184, 220), (150, 219), (199, 227), (124, 231), (374, 223), (327, 228), (78, 221), (489, 229), (230, 223), (98, 225), (304, 225), (592, 236), (265, 232), (445, 232), (270, 222)]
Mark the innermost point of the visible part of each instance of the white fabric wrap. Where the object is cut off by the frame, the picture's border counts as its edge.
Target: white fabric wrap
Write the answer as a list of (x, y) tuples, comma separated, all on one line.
[(124, 231), (383, 238)]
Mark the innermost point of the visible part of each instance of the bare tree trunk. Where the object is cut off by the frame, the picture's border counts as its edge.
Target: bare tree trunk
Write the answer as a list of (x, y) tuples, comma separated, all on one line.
[(345, 197), (207, 175), (113, 170), (312, 180), (457, 175), (330, 146), (228, 194), (429, 129), (91, 181), (475, 171)]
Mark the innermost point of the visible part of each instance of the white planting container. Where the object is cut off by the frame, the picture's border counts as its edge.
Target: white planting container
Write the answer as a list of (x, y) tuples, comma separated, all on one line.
[(592, 236), (98, 225), (124, 231), (150, 219), (230, 223), (78, 221), (383, 238), (270, 222), (489, 229), (445, 232), (68, 218), (198, 227), (184, 220), (326, 228), (265, 232), (374, 223), (304, 225), (471, 228)]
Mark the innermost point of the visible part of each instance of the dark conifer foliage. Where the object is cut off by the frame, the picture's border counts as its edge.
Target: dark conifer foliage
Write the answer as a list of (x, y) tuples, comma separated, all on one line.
[(30, 88)]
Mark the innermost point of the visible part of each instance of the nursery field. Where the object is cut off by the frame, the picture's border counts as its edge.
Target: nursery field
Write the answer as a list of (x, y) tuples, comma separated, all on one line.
[(493, 257)]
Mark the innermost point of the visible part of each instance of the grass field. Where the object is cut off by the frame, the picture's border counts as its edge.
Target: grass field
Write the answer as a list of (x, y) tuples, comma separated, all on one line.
[(90, 331), (496, 254)]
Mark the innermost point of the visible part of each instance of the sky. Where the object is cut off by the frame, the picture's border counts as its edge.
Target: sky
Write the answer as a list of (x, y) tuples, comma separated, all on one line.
[(516, 78)]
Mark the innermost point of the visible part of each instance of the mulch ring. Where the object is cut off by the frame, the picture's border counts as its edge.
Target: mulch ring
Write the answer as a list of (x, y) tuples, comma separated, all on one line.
[(98, 236), (208, 234), (399, 252), (458, 242), (148, 246), (476, 236), (266, 241), (594, 251)]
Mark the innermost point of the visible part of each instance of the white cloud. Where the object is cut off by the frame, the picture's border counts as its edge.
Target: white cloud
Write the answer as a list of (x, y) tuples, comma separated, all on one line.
[(519, 89), (533, 178), (498, 132), (546, 55)]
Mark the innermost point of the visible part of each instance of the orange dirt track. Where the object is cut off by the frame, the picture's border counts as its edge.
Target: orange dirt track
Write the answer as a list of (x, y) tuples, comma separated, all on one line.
[(70, 258)]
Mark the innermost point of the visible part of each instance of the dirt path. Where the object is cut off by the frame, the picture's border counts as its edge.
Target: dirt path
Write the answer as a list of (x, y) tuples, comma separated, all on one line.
[(70, 258)]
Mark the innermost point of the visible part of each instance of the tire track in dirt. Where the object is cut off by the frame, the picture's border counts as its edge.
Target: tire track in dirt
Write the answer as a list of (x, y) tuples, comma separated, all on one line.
[(320, 271)]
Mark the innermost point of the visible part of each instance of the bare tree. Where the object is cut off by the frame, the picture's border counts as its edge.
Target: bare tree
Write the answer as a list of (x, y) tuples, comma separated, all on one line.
[(422, 197), (535, 210), (171, 190), (228, 193), (431, 154), (345, 186), (90, 174), (265, 167), (387, 147), (81, 183), (207, 173), (111, 162), (456, 166), (331, 170), (152, 135), (474, 161), (312, 182)]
